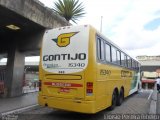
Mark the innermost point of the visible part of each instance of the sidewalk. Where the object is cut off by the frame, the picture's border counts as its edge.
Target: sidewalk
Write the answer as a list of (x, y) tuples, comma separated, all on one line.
[(26, 89), (9, 104)]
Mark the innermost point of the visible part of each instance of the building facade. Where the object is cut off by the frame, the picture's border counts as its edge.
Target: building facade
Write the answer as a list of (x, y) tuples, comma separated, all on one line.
[(150, 70)]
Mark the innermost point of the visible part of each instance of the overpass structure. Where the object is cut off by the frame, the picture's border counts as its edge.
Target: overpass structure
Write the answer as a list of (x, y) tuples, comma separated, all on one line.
[(22, 26)]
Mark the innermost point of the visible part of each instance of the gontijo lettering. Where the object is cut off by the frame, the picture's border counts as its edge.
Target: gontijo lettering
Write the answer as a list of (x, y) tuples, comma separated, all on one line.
[(55, 57)]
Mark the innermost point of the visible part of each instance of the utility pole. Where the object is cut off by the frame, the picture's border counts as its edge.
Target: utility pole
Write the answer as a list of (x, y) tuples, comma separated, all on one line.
[(101, 24)]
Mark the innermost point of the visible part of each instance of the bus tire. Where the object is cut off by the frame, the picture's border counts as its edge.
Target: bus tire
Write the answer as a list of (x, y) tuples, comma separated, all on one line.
[(114, 100), (120, 97)]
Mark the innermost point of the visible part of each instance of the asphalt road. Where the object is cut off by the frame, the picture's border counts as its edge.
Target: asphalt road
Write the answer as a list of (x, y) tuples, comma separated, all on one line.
[(134, 104)]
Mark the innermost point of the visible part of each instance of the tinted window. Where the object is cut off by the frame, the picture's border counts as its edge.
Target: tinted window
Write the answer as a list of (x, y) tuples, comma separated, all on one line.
[(118, 58), (122, 59), (125, 61), (129, 62), (102, 50), (100, 45), (108, 52), (114, 56), (138, 66), (98, 48), (133, 63)]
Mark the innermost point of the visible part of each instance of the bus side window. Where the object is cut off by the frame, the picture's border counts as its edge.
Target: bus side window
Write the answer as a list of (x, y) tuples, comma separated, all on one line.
[(107, 52), (133, 64), (122, 59), (138, 66), (100, 45), (114, 55), (125, 61), (129, 62), (118, 58)]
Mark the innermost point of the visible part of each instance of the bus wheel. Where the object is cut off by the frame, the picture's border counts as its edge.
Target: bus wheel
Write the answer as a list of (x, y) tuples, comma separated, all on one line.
[(120, 98), (114, 100)]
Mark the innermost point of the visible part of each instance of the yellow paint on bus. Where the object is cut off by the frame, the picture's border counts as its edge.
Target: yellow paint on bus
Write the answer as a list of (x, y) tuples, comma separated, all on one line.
[(74, 77)]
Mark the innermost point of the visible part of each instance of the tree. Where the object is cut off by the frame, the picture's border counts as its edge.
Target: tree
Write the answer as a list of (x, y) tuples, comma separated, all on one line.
[(69, 9)]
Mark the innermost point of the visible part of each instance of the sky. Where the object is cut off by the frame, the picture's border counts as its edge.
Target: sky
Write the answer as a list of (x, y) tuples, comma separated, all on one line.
[(134, 25)]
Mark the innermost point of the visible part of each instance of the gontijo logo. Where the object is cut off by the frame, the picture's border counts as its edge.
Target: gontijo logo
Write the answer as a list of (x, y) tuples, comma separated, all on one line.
[(63, 40)]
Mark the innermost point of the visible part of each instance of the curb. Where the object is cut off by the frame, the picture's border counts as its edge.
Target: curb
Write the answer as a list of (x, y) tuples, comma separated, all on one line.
[(19, 110), (31, 92), (153, 103)]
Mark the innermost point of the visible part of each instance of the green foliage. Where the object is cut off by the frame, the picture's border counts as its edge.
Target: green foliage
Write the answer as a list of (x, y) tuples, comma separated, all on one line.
[(69, 9)]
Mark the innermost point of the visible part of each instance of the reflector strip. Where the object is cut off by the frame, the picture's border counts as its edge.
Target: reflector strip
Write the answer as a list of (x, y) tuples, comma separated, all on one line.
[(60, 84)]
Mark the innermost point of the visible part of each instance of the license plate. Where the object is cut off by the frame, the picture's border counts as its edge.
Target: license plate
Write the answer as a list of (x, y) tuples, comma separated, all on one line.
[(65, 90)]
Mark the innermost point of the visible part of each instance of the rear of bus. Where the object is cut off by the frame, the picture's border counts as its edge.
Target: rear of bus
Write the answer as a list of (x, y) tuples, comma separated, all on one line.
[(67, 70)]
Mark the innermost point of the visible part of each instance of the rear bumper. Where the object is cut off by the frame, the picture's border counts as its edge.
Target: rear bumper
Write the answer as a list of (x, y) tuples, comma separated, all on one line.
[(68, 104)]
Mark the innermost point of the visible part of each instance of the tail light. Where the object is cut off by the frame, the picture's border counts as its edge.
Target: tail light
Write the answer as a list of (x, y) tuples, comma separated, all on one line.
[(40, 85), (89, 88)]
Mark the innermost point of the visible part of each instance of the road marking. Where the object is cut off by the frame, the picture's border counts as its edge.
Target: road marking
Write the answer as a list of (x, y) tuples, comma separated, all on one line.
[(16, 111), (150, 94)]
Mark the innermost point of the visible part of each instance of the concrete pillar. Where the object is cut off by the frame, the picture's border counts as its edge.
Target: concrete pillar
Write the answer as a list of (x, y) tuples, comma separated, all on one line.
[(14, 72)]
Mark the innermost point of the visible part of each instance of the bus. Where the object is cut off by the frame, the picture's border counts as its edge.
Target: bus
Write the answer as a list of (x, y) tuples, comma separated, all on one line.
[(82, 71)]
